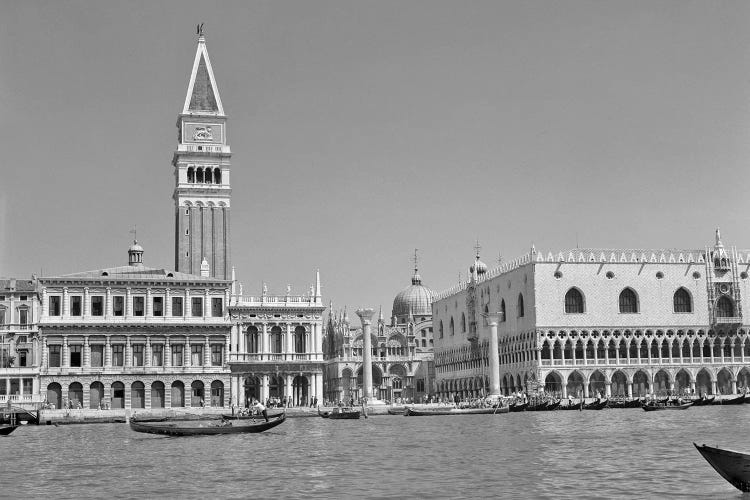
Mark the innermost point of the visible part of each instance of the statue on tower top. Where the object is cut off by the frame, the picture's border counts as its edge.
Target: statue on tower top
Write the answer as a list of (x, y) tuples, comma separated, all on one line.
[(199, 29)]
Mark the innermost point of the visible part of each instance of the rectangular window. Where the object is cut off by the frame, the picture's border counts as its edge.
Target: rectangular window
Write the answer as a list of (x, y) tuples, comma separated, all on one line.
[(137, 354), (23, 358), (54, 356), (217, 354), (97, 355), (118, 357), (138, 306), (75, 305), (158, 306), (177, 355), (75, 355), (53, 305), (216, 307), (196, 354), (4, 356), (157, 355), (420, 385), (23, 297), (197, 306), (28, 385), (97, 305), (2, 316), (118, 305), (177, 306), (23, 317)]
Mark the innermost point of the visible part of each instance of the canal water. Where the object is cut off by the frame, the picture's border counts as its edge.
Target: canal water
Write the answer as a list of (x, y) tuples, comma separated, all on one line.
[(564, 454)]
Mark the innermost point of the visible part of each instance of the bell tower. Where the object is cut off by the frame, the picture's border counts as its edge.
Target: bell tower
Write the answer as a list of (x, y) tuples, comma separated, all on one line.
[(201, 166)]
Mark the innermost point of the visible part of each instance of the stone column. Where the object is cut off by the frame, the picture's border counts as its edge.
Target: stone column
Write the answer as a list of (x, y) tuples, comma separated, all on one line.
[(86, 302), (630, 389), (108, 353), (288, 392), (167, 303), (492, 321), (734, 386), (65, 354), (233, 385), (206, 352), (264, 389), (167, 354), (65, 303), (108, 304), (148, 354), (608, 389), (264, 342), (86, 353), (187, 352), (227, 348), (365, 317)]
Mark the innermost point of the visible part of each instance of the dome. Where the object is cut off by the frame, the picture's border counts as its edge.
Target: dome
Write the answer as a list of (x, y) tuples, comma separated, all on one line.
[(415, 299), (135, 247), (480, 266)]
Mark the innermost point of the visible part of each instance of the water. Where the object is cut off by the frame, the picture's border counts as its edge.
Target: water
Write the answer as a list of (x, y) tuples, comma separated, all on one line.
[(589, 454)]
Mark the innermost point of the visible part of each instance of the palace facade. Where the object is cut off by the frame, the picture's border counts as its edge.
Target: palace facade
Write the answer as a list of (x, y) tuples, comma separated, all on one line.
[(402, 351), (618, 322)]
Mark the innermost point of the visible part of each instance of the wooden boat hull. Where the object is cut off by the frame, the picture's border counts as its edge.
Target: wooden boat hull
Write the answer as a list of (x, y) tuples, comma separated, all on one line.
[(514, 408), (731, 465), (571, 407), (666, 407), (397, 411), (596, 405), (174, 430), (411, 412), (735, 401), (341, 415), (227, 416), (7, 429), (704, 401)]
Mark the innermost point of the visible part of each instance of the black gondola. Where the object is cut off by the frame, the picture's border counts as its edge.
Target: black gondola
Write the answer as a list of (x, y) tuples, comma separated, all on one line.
[(734, 401), (596, 405), (174, 429), (731, 465), (704, 401), (571, 406), (7, 429), (516, 407)]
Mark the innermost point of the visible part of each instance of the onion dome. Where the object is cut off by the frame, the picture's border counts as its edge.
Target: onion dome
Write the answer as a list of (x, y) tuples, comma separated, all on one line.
[(480, 267), (415, 299)]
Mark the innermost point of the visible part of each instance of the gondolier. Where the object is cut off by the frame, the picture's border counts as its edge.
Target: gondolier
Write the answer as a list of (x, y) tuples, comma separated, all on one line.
[(261, 408)]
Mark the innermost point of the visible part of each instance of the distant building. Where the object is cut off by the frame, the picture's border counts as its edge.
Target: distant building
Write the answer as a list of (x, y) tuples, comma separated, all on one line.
[(617, 322), (134, 337), (20, 352), (402, 350)]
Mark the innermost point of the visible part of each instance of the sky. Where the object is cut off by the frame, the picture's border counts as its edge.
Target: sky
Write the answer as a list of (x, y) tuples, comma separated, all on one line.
[(362, 130)]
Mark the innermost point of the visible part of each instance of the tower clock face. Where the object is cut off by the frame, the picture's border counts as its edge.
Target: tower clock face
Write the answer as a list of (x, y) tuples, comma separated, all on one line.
[(203, 132)]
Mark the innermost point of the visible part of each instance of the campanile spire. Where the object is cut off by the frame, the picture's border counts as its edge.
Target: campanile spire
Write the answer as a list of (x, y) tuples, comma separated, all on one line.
[(202, 192)]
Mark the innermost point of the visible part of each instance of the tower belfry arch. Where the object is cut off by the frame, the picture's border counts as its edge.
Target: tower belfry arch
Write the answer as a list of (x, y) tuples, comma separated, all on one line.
[(202, 193)]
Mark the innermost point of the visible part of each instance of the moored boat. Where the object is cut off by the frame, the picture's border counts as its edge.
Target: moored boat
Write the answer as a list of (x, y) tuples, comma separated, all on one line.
[(397, 410), (516, 407), (704, 401), (340, 413), (596, 405), (658, 407), (411, 412), (571, 406), (174, 428), (237, 416), (734, 401), (731, 465), (7, 429)]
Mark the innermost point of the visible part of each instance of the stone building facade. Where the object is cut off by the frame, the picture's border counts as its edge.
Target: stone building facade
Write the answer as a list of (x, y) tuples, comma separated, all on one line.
[(134, 337), (618, 322), (402, 350), (20, 352)]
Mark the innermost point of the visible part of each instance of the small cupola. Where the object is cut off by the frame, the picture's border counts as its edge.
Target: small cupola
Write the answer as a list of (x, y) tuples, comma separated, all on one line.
[(205, 269), (135, 254)]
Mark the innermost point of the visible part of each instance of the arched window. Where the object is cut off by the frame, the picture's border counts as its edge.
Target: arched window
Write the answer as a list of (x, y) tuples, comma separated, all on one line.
[(682, 302), (502, 311), (724, 307), (209, 178), (191, 174), (199, 175), (628, 301), (217, 175), (463, 323), (451, 327), (441, 328), (520, 306), (574, 301)]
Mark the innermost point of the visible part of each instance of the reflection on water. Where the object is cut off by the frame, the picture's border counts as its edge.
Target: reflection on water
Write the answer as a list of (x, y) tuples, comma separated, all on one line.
[(589, 454)]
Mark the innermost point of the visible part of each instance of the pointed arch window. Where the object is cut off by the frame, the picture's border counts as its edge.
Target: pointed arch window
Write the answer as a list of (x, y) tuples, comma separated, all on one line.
[(463, 323), (574, 301), (452, 329), (628, 301), (502, 311), (520, 306), (682, 301), (441, 328), (724, 307)]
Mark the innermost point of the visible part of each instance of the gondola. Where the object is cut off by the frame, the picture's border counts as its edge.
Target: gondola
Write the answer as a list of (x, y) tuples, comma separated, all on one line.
[(411, 412), (704, 401), (659, 407), (538, 406), (398, 410), (731, 465), (552, 405), (237, 416), (7, 429), (734, 401), (572, 406), (636, 403), (516, 407), (340, 413), (596, 405), (173, 429)]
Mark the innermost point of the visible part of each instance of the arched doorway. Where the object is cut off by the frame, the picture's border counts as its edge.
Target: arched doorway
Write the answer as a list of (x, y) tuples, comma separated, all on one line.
[(252, 389), (348, 389), (724, 382), (217, 393), (641, 385), (177, 394), (743, 380), (75, 395), (662, 383), (574, 387), (300, 393), (137, 395), (197, 394), (377, 381), (96, 394), (619, 386), (157, 395), (703, 383), (118, 395), (597, 386), (276, 387), (54, 395), (682, 382), (553, 384)]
